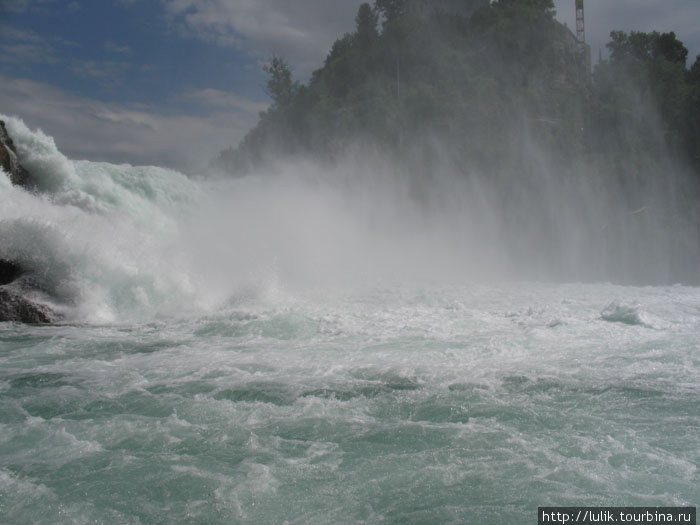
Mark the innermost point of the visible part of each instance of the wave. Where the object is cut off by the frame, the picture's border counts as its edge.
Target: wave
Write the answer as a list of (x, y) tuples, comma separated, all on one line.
[(632, 314), (111, 243), (101, 240)]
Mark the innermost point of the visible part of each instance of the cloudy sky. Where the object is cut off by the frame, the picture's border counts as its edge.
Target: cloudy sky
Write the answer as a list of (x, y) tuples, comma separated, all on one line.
[(172, 82)]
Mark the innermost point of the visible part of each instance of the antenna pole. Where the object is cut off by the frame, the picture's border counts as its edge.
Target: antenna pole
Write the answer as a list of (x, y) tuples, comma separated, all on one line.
[(581, 35)]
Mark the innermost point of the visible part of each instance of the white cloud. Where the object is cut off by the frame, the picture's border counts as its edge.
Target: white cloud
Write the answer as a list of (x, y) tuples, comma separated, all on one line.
[(20, 46), (215, 98), (302, 31), (108, 73), (8, 32), (26, 53), (20, 6), (85, 128), (112, 46)]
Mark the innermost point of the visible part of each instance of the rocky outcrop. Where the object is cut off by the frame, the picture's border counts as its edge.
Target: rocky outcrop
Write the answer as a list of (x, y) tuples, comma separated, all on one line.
[(8, 160), (16, 290), (9, 272), (16, 307), (15, 301)]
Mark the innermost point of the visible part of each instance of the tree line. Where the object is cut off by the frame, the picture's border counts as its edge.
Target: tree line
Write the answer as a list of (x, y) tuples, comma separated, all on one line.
[(498, 93), (474, 74)]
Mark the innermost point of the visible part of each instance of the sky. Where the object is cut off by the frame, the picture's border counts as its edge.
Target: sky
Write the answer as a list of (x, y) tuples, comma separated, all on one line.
[(173, 82)]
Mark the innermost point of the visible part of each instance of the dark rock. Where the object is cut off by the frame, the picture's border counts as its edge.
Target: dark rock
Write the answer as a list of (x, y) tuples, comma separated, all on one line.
[(8, 160), (16, 307), (16, 290), (9, 272)]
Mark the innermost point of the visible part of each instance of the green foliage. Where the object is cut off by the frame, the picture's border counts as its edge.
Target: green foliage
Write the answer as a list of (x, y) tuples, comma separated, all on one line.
[(366, 24), (481, 76), (644, 47), (646, 84), (279, 86), (391, 9)]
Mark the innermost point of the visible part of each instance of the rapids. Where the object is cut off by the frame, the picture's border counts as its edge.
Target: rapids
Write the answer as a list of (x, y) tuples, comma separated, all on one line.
[(283, 350)]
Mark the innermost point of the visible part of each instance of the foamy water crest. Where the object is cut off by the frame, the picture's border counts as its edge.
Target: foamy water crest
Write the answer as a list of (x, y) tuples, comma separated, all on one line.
[(103, 240), (112, 243), (309, 346), (118, 242)]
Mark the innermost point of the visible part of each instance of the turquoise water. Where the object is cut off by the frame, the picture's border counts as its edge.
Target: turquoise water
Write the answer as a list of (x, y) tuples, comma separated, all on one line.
[(285, 348), (464, 404)]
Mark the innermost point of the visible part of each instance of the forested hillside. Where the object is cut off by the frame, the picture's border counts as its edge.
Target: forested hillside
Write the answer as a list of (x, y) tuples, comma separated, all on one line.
[(568, 163), (476, 76)]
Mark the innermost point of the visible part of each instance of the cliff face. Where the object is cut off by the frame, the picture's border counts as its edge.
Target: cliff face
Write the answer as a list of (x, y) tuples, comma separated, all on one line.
[(16, 290), (9, 162)]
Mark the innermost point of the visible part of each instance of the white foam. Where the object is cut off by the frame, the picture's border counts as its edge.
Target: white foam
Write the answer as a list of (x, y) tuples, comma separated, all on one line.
[(119, 243), (618, 312), (102, 239)]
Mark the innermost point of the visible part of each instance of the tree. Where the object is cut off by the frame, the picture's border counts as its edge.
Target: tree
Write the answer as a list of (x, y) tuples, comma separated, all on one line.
[(366, 23), (528, 6), (666, 45), (390, 9), (694, 72), (280, 86), (643, 47)]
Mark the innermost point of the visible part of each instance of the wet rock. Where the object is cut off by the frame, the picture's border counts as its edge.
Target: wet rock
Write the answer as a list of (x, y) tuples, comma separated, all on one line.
[(16, 307), (9, 272), (9, 162), (16, 291), (16, 303)]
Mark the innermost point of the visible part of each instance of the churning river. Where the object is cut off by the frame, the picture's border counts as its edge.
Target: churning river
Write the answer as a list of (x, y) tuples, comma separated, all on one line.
[(165, 396)]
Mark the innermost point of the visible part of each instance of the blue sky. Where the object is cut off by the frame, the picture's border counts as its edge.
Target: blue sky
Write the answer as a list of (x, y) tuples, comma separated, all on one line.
[(172, 82)]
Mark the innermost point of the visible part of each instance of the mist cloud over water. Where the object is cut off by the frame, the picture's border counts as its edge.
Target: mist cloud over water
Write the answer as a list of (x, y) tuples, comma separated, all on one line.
[(115, 242), (435, 283)]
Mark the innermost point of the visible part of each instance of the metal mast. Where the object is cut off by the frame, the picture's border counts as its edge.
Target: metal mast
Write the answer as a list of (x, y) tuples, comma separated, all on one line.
[(584, 50), (580, 28)]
